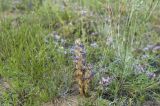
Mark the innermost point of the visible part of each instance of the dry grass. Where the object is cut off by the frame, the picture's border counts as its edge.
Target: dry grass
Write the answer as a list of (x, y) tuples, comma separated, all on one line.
[(66, 101)]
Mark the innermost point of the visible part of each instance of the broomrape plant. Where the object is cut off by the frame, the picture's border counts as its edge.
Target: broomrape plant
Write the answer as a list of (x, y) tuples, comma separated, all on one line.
[(83, 71)]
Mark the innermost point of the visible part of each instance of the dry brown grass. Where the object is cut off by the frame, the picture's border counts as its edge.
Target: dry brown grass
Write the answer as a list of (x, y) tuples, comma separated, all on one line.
[(66, 101)]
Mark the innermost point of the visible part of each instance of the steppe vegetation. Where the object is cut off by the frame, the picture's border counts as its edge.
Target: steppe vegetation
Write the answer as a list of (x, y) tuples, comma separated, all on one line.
[(122, 46)]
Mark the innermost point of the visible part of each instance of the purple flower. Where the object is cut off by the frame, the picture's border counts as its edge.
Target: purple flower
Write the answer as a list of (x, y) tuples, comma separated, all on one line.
[(145, 56), (75, 61), (149, 47), (140, 68), (72, 50), (150, 75), (76, 57), (156, 48), (83, 53), (77, 47), (105, 81), (82, 46), (92, 73)]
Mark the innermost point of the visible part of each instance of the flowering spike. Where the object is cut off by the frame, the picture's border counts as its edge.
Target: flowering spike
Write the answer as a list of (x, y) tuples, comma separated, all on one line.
[(83, 72)]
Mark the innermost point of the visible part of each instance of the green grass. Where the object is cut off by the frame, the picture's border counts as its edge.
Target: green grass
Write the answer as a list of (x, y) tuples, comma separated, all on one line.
[(38, 69)]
